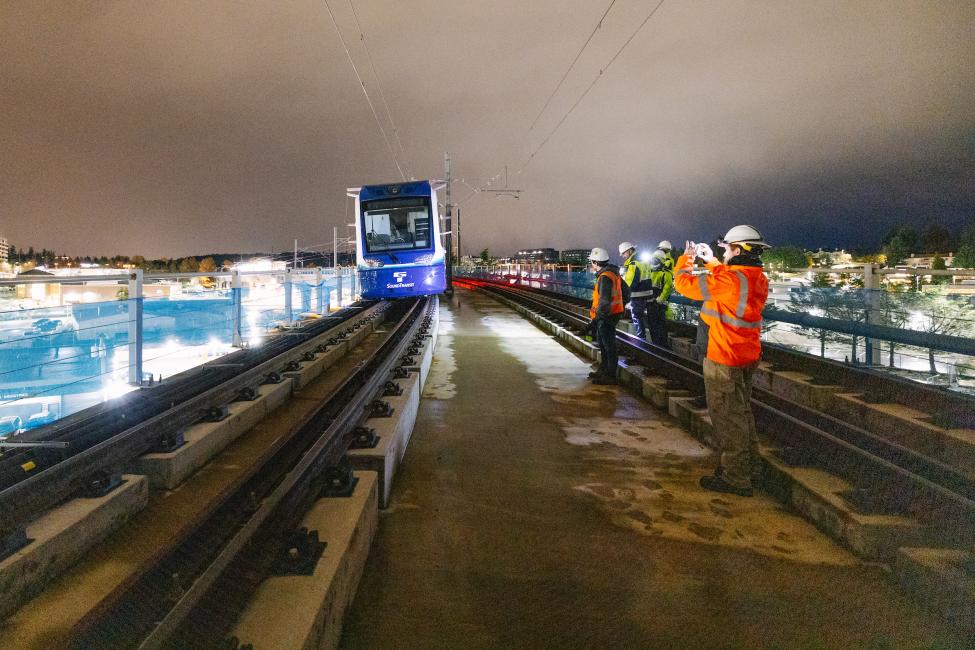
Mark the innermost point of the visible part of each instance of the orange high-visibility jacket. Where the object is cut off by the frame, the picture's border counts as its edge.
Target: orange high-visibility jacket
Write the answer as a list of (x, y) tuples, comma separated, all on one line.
[(616, 303), (734, 297)]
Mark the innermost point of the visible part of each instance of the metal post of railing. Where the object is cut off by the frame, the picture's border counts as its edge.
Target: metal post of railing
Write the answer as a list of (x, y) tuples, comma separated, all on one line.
[(338, 287), (237, 296), (322, 292), (135, 327), (288, 316), (871, 286), (354, 279)]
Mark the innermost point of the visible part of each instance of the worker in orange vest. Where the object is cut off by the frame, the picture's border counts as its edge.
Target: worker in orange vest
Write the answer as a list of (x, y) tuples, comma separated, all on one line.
[(607, 309), (733, 295)]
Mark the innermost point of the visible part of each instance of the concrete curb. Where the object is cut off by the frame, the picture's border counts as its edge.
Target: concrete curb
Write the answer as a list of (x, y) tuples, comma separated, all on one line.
[(298, 612), (62, 535)]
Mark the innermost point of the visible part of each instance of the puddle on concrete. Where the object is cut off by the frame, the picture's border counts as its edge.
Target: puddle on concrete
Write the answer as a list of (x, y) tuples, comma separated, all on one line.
[(440, 384), (646, 467), (558, 371), (646, 480)]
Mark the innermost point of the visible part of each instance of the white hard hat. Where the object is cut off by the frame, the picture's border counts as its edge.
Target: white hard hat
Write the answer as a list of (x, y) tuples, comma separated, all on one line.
[(625, 246), (747, 236), (599, 255), (665, 244)]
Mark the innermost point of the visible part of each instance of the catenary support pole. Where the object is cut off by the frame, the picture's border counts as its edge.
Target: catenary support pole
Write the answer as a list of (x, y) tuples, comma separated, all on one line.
[(135, 326), (237, 300)]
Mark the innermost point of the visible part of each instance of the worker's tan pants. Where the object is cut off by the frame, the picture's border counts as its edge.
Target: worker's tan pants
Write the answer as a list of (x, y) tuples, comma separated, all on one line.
[(729, 392)]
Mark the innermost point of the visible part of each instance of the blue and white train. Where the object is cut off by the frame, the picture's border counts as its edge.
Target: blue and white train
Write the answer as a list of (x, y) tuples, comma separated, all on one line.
[(399, 252)]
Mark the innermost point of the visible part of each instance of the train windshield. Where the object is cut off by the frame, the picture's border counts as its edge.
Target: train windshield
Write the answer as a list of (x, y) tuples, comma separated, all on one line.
[(396, 224)]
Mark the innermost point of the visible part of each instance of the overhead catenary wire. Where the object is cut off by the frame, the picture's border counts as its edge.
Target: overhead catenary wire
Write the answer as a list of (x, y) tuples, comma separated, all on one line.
[(606, 67), (379, 85), (572, 65), (362, 84)]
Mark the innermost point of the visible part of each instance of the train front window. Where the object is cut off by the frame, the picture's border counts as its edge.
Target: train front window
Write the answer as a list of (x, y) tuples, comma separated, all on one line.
[(396, 224)]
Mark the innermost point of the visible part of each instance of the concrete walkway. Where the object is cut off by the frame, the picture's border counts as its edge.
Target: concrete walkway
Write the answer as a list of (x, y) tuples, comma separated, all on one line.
[(537, 511)]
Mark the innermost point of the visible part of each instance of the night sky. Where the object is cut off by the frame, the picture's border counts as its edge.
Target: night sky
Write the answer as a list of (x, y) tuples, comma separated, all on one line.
[(187, 127)]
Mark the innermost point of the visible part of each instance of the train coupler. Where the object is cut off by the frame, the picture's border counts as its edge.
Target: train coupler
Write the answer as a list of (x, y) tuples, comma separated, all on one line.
[(300, 554)]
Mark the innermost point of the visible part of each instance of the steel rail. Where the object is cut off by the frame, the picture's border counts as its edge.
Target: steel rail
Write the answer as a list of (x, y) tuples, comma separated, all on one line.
[(935, 482), (217, 551), (103, 457)]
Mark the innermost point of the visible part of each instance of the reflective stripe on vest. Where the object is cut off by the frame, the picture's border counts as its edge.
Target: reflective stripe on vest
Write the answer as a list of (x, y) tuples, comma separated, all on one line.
[(616, 306), (736, 320)]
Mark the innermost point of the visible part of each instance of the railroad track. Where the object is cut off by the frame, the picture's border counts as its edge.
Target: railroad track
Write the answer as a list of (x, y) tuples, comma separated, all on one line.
[(189, 594), (883, 470), (90, 449)]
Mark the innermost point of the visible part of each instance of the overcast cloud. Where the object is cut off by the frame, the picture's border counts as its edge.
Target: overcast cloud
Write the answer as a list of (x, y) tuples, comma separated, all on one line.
[(186, 127)]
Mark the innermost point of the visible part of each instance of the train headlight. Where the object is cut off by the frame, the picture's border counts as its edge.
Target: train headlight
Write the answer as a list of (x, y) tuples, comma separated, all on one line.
[(373, 263)]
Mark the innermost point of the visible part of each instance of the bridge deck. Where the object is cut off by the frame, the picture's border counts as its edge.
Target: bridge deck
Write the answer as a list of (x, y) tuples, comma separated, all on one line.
[(536, 510)]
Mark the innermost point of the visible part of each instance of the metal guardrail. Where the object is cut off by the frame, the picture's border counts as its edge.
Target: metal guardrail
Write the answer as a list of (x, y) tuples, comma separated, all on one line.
[(942, 342), (869, 331)]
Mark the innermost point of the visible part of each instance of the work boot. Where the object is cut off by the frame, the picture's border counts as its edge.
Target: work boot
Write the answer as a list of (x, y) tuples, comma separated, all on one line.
[(717, 484)]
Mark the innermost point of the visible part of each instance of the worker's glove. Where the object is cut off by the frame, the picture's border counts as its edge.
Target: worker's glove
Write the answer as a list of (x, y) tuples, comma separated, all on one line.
[(705, 253)]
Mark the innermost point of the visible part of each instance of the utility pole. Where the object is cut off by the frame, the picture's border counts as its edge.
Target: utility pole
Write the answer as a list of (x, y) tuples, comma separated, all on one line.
[(457, 228), (448, 224)]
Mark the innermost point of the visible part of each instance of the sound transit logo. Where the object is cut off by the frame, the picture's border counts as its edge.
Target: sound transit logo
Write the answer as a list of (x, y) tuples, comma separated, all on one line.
[(398, 283)]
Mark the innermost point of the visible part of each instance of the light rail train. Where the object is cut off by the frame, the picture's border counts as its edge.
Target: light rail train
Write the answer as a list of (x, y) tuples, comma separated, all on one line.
[(399, 252)]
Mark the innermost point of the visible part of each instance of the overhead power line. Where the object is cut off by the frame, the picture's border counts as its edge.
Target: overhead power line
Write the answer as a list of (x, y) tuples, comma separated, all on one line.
[(606, 67), (572, 65), (362, 84), (379, 84)]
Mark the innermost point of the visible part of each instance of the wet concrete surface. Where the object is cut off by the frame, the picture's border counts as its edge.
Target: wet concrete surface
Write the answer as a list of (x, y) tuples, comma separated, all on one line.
[(534, 510)]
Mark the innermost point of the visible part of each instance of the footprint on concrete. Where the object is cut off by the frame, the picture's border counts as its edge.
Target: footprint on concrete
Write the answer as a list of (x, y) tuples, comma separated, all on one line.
[(720, 510), (672, 517), (666, 496), (709, 533), (780, 549), (603, 491), (783, 537), (626, 493), (650, 484), (640, 516), (617, 504)]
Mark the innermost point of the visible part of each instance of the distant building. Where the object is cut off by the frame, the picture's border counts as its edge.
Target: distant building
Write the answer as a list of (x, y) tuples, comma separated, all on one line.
[(924, 260), (575, 256), (537, 255), (4, 250), (824, 257)]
